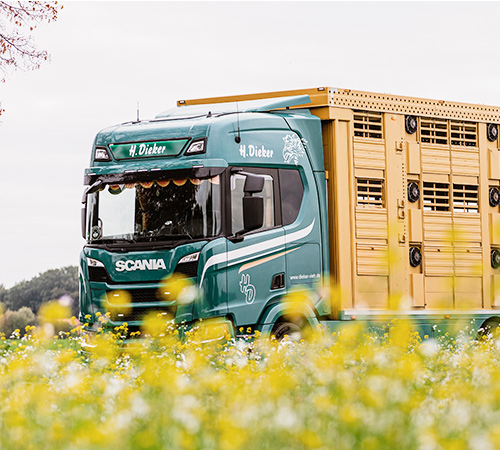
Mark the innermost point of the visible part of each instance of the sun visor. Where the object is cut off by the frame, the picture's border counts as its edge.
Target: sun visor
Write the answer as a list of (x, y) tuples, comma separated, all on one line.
[(261, 105)]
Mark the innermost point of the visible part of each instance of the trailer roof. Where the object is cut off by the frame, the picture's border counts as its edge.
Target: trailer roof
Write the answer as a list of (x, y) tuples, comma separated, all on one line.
[(347, 98)]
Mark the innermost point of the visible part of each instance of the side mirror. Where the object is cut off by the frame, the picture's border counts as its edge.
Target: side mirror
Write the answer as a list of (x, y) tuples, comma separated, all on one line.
[(84, 219), (253, 183), (253, 213), (91, 189)]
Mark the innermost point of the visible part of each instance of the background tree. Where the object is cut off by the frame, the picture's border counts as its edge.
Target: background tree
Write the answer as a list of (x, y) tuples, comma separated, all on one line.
[(16, 320), (3, 293), (50, 285), (17, 46)]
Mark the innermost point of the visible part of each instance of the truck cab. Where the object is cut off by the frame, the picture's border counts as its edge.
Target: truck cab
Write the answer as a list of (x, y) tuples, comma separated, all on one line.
[(230, 198)]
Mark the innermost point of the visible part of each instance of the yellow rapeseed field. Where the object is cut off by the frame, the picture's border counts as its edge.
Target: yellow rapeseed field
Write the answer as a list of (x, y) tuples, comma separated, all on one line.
[(346, 390)]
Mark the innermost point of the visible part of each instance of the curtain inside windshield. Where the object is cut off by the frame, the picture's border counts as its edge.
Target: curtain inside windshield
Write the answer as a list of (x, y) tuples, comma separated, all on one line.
[(187, 207)]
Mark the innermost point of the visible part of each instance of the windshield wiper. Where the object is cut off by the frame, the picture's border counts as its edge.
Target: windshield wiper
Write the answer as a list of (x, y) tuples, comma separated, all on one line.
[(165, 237), (114, 241)]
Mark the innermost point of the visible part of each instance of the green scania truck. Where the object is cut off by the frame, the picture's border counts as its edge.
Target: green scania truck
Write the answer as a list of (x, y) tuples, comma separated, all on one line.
[(371, 205)]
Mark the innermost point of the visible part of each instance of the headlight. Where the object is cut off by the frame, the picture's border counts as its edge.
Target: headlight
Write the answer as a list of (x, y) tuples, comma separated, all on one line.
[(197, 146), (189, 258), (101, 154), (91, 262)]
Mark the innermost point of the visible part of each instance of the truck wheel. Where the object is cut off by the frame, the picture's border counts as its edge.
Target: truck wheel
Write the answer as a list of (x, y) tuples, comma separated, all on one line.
[(291, 330), (488, 327)]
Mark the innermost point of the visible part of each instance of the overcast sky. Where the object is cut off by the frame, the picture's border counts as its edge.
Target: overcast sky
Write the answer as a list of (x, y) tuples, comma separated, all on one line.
[(106, 57)]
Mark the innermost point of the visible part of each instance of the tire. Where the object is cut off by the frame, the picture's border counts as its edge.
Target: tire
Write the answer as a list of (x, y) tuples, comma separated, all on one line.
[(290, 330), (489, 327)]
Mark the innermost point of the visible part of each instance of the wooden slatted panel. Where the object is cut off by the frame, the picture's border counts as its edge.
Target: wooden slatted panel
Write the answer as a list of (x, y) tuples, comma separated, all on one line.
[(465, 162), (368, 124), (370, 192), (466, 227), (434, 131), (371, 224), (435, 159), (370, 155), (372, 259), (436, 196), (468, 261), (463, 134), (465, 198), (438, 260), (438, 227)]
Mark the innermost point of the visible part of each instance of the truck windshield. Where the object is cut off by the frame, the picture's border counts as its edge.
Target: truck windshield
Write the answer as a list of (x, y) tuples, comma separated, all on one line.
[(164, 209)]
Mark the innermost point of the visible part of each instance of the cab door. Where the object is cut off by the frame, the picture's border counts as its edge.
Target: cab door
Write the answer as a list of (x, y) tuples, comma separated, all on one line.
[(256, 263)]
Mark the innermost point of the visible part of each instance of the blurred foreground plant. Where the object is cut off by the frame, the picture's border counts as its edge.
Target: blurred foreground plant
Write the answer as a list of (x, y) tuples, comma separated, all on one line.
[(345, 390)]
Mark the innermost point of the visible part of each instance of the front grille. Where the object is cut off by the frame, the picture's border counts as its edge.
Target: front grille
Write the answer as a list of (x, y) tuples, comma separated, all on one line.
[(144, 295), (130, 306), (99, 274), (189, 269), (133, 314)]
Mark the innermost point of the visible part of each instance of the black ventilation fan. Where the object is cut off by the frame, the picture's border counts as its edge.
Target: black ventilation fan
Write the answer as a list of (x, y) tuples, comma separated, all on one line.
[(413, 192), (495, 258), (410, 124), (415, 257), (494, 196), (492, 132)]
